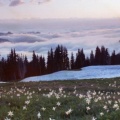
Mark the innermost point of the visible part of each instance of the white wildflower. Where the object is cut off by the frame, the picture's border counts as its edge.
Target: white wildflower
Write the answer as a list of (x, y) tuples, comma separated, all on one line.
[(43, 109), (10, 113), (88, 108), (101, 114), (39, 115), (58, 103), (54, 108), (24, 108)]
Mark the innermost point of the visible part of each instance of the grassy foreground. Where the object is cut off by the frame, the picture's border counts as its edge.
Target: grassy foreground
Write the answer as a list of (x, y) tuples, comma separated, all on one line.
[(61, 100)]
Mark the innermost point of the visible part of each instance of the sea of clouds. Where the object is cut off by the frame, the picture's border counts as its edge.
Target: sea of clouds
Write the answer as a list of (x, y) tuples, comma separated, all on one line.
[(40, 35)]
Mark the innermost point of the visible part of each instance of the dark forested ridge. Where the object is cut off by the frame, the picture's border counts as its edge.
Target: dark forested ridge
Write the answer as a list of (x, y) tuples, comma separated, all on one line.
[(17, 67)]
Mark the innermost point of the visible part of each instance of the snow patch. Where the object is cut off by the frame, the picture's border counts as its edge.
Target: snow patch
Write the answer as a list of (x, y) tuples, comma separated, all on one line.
[(106, 71)]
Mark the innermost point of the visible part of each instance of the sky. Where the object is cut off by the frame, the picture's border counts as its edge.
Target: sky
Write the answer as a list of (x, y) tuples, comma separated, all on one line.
[(47, 9), (40, 25), (42, 35)]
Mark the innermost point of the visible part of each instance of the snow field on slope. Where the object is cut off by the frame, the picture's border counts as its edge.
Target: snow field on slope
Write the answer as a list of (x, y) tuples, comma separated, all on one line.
[(90, 72)]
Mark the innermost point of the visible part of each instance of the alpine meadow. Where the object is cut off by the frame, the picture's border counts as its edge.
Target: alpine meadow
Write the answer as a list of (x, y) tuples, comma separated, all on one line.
[(59, 60)]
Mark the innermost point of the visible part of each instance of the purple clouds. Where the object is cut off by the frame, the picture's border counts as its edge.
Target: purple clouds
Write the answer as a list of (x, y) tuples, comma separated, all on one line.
[(13, 3), (16, 2)]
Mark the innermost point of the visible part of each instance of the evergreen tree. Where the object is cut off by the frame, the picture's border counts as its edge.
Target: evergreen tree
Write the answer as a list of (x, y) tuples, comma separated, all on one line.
[(117, 59), (17, 67), (2, 69), (80, 59), (34, 65), (22, 67), (42, 65), (103, 56), (113, 58), (12, 66), (107, 57), (65, 61), (97, 56), (92, 58), (27, 66), (72, 62), (50, 62), (87, 61), (57, 56)]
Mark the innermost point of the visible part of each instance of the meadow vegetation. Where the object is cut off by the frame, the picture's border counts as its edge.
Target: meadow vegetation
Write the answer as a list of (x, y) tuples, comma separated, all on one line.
[(97, 99)]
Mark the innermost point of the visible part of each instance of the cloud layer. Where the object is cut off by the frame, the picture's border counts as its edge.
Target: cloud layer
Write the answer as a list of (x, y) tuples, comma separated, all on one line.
[(41, 37), (13, 3), (16, 2)]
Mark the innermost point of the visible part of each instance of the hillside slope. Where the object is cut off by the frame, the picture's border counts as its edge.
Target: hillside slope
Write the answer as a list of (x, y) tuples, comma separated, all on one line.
[(86, 73)]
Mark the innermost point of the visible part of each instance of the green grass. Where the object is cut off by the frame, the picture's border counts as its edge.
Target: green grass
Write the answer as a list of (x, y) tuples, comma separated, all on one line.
[(74, 96)]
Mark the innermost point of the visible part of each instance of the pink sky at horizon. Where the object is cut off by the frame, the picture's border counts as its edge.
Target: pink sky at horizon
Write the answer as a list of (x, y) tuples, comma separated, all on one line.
[(48, 9)]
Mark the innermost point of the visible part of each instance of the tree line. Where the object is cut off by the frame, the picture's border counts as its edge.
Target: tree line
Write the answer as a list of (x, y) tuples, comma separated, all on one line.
[(17, 67)]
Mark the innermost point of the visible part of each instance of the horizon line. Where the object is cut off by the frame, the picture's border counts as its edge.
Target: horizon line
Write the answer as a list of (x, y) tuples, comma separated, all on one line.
[(71, 18)]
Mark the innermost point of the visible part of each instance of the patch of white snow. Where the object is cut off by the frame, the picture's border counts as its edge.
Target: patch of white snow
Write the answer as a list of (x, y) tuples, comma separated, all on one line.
[(91, 72)]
